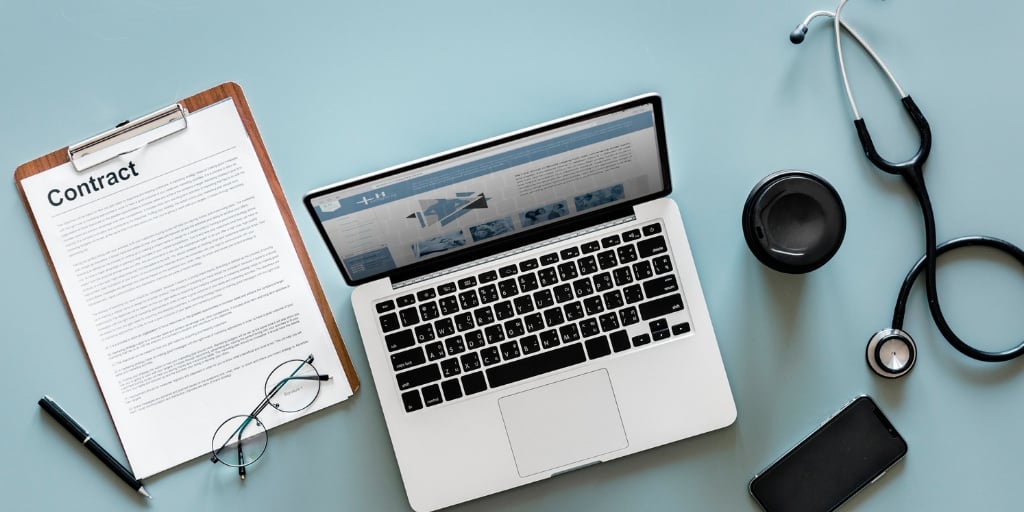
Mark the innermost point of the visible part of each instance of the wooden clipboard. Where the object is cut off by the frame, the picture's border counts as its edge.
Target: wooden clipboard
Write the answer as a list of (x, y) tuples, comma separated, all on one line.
[(191, 104)]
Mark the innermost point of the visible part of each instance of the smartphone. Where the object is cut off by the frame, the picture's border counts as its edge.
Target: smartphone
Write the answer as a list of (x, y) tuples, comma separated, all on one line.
[(850, 450)]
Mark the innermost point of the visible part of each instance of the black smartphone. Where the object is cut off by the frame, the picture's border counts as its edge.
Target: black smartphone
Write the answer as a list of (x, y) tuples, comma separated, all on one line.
[(849, 451)]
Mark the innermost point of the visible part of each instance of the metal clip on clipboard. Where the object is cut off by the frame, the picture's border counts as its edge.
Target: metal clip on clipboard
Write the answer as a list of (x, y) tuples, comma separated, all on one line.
[(128, 137)]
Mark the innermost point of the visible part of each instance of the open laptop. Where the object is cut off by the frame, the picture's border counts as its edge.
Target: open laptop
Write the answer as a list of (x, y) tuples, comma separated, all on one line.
[(528, 304)]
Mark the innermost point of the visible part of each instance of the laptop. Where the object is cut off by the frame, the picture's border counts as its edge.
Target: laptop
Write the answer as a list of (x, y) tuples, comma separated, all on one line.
[(529, 304)]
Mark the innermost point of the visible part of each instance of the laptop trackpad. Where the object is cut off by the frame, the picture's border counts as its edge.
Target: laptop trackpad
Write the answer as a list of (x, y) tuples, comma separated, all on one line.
[(564, 422)]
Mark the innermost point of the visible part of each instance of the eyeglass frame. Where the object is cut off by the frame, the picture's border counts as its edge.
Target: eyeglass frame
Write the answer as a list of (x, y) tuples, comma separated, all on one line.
[(263, 405)]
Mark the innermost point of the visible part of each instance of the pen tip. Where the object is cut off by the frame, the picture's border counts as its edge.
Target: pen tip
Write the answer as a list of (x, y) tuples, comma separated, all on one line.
[(142, 491)]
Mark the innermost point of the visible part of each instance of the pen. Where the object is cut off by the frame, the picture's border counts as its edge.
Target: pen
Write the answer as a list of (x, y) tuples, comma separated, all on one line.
[(83, 436)]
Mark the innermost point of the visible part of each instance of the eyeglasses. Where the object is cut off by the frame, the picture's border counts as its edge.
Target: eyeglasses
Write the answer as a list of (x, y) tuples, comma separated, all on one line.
[(241, 440)]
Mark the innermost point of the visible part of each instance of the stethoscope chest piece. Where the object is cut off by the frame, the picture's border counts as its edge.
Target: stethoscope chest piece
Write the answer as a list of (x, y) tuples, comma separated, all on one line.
[(891, 353)]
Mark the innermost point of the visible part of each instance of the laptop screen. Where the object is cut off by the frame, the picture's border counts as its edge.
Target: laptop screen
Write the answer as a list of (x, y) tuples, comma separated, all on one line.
[(495, 190)]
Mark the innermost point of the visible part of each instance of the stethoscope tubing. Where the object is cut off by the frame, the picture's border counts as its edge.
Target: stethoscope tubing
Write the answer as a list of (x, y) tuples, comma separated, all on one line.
[(912, 172)]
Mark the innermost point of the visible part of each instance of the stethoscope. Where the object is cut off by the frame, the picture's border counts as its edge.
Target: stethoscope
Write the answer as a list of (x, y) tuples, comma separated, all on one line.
[(892, 352)]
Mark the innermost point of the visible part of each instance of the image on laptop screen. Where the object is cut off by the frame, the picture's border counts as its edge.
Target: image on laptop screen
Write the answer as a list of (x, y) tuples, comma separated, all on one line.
[(522, 182)]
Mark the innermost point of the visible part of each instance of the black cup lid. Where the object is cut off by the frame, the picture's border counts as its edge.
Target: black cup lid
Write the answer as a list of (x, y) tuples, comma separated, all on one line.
[(794, 221)]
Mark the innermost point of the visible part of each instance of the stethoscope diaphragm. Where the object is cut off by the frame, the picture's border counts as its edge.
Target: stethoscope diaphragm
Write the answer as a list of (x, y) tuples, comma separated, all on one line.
[(891, 353)]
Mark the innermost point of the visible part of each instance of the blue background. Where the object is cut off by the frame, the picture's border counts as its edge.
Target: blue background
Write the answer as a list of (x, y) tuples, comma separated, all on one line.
[(343, 88)]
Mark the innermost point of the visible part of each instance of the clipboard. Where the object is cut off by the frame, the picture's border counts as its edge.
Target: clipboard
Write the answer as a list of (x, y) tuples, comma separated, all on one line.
[(152, 129)]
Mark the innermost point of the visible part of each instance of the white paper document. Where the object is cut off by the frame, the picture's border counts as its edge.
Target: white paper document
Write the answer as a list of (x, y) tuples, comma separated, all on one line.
[(184, 284)]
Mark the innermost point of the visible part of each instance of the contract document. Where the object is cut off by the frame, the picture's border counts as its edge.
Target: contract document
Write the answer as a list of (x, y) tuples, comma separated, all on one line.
[(184, 284)]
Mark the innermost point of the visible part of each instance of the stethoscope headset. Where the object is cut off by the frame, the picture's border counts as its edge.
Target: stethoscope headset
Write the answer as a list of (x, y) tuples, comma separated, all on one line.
[(892, 352)]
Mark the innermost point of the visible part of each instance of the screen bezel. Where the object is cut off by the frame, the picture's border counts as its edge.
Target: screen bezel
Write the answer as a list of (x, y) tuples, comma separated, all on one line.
[(851, 408), (484, 250)]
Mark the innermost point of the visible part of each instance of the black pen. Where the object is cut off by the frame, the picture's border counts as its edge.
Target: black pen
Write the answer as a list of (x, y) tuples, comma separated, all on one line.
[(83, 436)]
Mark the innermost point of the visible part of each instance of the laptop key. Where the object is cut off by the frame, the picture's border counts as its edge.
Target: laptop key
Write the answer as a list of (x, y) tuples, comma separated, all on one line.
[(548, 259), (661, 307), (588, 265), (474, 339), (429, 311), (389, 322), (508, 270), (464, 322), (574, 310), (494, 334), (454, 345), (408, 358), (662, 264), (589, 327), (620, 341), (446, 288), (613, 300), (424, 333), (508, 288), (426, 294), (431, 395), (523, 304), (488, 276), (490, 355), (536, 364), (412, 401), (682, 328), (474, 383), (386, 306), (509, 350), (627, 253), (609, 322), (504, 310), (451, 367), (651, 247), (628, 316), (451, 389), (409, 317), (642, 270), (568, 333), (448, 305), (547, 276), (530, 344), (468, 299), (549, 339), (488, 294), (467, 282), (443, 328), (470, 362), (660, 286), (597, 347), (435, 351), (651, 229), (629, 236), (544, 299), (406, 300), (582, 287), (418, 376), (533, 322), (400, 340)]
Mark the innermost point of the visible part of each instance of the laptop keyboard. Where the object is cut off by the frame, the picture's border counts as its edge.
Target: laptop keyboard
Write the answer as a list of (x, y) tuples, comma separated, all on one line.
[(537, 315)]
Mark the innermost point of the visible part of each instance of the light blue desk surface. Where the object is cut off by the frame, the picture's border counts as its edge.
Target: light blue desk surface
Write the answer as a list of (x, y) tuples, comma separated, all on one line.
[(343, 88)]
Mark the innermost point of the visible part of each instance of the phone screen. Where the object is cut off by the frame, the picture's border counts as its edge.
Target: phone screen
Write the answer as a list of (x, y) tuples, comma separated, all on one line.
[(844, 455)]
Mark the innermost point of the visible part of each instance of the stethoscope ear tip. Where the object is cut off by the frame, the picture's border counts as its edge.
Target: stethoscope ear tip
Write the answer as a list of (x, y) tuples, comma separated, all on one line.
[(891, 353), (797, 36)]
